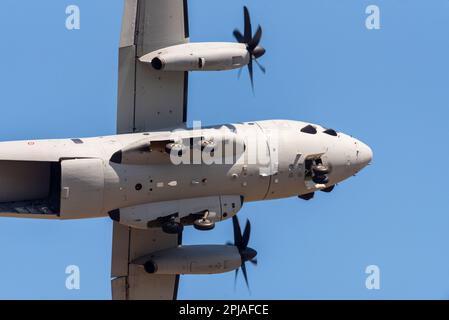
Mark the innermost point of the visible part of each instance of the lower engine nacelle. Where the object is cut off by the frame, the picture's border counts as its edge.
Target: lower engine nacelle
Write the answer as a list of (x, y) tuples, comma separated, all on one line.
[(200, 259), (211, 56)]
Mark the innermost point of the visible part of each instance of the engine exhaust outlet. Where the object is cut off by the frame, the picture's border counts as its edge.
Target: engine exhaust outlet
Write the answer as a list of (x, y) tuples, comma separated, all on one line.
[(157, 64)]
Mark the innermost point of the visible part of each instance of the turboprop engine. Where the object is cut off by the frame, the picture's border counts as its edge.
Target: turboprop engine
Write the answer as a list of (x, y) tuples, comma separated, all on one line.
[(195, 259), (204, 259), (212, 56)]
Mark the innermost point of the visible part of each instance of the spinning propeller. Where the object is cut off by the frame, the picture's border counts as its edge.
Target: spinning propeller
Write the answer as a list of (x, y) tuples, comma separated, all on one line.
[(252, 44), (241, 242)]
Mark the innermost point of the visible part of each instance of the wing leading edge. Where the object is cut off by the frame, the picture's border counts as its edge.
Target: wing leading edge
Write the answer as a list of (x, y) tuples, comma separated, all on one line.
[(147, 100)]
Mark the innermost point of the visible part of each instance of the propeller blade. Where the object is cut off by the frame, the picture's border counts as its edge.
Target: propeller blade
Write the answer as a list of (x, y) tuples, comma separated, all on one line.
[(245, 275), (235, 278), (251, 73), (256, 39), (238, 36), (246, 234), (252, 45), (247, 254), (237, 232), (248, 28), (261, 66), (240, 72)]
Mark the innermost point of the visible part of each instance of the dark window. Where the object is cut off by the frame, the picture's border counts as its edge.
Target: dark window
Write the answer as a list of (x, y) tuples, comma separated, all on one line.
[(309, 129), (78, 141), (331, 132)]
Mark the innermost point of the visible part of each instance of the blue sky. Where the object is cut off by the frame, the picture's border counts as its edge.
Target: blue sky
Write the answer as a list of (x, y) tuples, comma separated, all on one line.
[(387, 87)]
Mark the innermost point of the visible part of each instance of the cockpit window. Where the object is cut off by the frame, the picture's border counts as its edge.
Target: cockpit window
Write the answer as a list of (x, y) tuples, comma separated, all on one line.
[(309, 129), (77, 141), (331, 132)]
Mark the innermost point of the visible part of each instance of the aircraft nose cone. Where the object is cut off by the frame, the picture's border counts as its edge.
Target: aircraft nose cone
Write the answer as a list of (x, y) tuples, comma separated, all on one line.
[(364, 154), (363, 157), (347, 158)]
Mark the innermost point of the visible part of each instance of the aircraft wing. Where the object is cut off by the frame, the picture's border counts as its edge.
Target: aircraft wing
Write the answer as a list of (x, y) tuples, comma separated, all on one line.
[(147, 100), (130, 281)]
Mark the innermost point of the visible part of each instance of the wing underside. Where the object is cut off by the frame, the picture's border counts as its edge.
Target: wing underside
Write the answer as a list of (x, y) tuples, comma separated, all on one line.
[(130, 281), (148, 100)]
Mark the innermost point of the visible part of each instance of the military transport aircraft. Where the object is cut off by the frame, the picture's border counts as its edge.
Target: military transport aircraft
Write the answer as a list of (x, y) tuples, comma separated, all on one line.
[(156, 175)]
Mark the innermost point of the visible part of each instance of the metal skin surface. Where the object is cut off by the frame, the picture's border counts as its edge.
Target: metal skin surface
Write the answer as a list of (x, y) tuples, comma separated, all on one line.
[(199, 259), (209, 56), (271, 167)]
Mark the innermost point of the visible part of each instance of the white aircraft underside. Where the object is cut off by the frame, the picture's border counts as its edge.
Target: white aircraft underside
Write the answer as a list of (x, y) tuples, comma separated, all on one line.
[(156, 176)]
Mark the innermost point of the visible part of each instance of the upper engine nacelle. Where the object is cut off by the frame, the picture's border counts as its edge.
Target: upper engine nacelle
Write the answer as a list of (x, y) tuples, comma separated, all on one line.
[(208, 56)]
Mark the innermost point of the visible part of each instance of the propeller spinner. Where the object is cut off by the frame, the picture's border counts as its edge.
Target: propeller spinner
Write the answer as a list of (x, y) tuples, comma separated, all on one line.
[(252, 44)]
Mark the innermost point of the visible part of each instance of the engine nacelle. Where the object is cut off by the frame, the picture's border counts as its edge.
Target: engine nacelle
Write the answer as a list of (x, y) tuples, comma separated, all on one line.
[(152, 215), (213, 56), (199, 259)]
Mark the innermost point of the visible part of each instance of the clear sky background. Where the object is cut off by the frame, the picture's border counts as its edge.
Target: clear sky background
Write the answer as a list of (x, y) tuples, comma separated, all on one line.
[(387, 87)]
